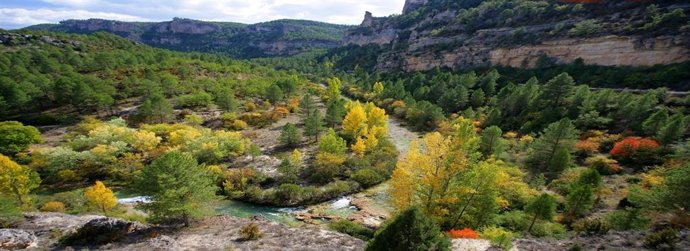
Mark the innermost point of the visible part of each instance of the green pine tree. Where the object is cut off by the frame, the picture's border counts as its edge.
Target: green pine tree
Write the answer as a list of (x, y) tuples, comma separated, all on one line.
[(410, 230), (180, 188)]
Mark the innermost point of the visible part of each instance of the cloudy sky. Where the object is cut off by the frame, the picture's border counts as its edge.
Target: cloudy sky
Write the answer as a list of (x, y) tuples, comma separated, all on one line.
[(21, 13)]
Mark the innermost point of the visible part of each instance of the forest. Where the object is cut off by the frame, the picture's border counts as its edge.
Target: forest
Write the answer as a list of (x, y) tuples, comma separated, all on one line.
[(503, 154)]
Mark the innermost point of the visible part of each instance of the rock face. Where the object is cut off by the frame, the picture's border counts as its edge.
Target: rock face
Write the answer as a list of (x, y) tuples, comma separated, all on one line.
[(103, 231), (276, 38), (16, 239), (433, 36)]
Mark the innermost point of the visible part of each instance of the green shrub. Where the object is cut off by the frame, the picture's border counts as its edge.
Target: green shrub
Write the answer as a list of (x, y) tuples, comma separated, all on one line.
[(10, 214), (288, 194), (548, 229), (352, 229), (593, 226), (499, 237), (513, 220), (194, 100), (666, 238), (250, 232), (367, 177), (628, 219), (585, 28)]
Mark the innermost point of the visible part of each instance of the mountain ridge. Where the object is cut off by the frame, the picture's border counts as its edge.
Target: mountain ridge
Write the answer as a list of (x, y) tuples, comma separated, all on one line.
[(282, 37)]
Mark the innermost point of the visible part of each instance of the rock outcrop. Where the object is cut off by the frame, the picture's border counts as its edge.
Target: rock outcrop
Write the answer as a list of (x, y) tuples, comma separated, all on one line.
[(434, 36), (43, 230), (103, 231), (12, 239)]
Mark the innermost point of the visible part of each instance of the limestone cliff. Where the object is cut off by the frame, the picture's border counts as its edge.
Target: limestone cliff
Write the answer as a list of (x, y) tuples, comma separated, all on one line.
[(469, 34), (276, 38)]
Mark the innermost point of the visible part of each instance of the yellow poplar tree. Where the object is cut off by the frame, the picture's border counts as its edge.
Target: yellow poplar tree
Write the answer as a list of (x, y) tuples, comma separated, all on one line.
[(100, 196), (355, 121), (376, 117), (296, 158), (17, 181), (378, 88), (359, 147)]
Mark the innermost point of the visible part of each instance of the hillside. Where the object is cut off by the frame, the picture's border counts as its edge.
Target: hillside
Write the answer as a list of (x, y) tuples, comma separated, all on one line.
[(525, 34), (275, 38)]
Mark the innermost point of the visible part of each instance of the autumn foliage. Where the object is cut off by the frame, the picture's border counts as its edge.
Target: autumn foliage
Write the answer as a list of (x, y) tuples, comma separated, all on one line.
[(631, 145), (463, 234)]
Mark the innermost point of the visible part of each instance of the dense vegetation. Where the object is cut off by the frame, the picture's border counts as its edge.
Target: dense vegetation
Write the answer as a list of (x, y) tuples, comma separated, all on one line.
[(230, 39), (507, 153)]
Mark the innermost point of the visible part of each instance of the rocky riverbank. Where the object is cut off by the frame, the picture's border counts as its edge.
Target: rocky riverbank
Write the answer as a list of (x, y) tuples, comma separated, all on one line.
[(41, 231)]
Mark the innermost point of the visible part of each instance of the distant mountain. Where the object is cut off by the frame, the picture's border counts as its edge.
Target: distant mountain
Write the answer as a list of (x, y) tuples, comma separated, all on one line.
[(275, 38), (467, 34)]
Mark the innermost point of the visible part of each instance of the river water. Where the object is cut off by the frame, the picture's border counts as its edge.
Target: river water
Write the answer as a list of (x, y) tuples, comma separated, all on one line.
[(399, 135)]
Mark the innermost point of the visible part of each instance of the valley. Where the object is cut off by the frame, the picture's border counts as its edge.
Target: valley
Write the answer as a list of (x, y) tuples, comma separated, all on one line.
[(455, 125)]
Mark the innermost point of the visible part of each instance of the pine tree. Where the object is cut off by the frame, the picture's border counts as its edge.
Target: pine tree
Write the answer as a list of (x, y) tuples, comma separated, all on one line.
[(17, 181), (335, 111), (274, 94), (313, 124), (180, 188), (478, 98), (226, 101), (542, 207), (556, 97), (488, 82), (410, 230), (556, 138), (101, 197), (491, 141), (672, 131), (306, 105), (581, 194), (290, 135), (156, 108), (653, 124)]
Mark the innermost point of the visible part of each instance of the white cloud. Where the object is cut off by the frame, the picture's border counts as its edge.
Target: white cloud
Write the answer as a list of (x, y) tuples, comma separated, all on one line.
[(244, 11), (17, 17)]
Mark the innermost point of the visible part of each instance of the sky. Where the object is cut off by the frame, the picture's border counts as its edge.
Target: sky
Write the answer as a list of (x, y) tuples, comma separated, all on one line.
[(21, 13)]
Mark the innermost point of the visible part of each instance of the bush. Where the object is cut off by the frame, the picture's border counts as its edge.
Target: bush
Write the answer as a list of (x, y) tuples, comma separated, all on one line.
[(463, 234), (352, 229), (548, 229), (514, 220), (604, 165), (592, 226), (194, 100), (585, 28), (288, 194), (53, 206), (10, 214), (666, 238), (628, 219), (499, 237), (250, 232), (367, 177)]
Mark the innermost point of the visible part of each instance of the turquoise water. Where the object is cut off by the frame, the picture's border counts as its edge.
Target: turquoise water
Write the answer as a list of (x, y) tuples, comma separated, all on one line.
[(247, 210)]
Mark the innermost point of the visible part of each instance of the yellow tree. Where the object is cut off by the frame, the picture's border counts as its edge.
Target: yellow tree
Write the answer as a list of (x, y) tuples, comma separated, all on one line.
[(359, 147), (434, 168), (378, 88), (17, 181), (296, 158), (376, 117), (355, 122), (101, 197), (372, 138)]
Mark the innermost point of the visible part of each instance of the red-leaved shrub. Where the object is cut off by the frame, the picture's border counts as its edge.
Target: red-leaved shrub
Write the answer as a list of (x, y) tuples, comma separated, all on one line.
[(463, 234), (629, 146)]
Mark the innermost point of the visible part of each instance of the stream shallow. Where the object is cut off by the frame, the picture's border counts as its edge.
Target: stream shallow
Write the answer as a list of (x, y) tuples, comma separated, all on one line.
[(377, 197)]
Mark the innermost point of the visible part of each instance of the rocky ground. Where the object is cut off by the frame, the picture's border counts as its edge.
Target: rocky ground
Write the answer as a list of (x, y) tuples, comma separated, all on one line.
[(43, 231)]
